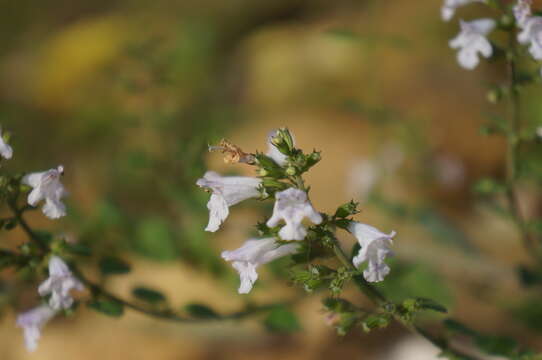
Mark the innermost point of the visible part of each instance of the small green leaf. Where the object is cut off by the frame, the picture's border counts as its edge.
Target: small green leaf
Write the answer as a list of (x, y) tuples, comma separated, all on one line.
[(200, 311), (488, 187), (107, 307), (78, 249), (110, 265), (148, 295), (428, 304), (282, 320)]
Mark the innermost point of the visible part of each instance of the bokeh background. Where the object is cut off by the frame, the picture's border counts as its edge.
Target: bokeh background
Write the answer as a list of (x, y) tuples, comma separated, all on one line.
[(127, 94)]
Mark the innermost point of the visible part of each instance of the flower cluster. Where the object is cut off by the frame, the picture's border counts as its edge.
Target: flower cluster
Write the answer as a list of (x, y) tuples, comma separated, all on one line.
[(472, 42), (280, 171), (57, 288)]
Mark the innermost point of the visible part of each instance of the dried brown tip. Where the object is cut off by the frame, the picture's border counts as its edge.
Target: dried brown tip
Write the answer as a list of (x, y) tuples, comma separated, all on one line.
[(233, 154)]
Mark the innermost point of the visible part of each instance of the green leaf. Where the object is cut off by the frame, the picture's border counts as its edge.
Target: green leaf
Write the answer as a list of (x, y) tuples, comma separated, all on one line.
[(497, 345), (78, 249), (529, 277), (154, 240), (108, 307), (428, 304), (282, 320), (200, 311), (459, 328), (148, 295), (110, 265), (489, 186)]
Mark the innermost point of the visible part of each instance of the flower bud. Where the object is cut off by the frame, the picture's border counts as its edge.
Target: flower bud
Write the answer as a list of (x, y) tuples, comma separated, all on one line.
[(291, 171), (493, 96)]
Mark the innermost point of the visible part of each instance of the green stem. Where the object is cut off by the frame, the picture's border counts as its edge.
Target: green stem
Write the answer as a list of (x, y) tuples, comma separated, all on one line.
[(513, 142), (97, 290), (379, 299)]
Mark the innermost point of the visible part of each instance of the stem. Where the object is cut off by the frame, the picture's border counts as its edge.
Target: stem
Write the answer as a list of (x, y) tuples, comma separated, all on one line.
[(379, 299), (18, 215), (513, 142), (167, 315)]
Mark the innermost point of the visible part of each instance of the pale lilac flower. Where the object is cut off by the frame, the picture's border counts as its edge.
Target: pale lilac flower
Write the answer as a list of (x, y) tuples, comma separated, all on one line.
[(292, 206), (47, 186), (253, 253), (59, 284), (5, 150), (32, 322), (275, 153), (522, 12), (472, 41), (532, 33), (227, 191), (449, 7), (374, 250)]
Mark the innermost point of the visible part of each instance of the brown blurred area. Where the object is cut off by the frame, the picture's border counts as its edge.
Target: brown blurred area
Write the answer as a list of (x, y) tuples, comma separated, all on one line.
[(366, 82)]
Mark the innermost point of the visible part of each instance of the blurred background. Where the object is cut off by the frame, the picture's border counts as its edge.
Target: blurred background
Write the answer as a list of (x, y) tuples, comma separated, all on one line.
[(127, 94)]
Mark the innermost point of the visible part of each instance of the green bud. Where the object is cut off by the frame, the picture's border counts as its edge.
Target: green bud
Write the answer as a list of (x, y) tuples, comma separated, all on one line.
[(263, 172), (506, 21), (346, 210), (494, 95), (291, 171)]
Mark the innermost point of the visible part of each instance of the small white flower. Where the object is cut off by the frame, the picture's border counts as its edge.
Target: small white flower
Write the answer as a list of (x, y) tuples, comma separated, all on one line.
[(47, 186), (471, 41), (449, 7), (253, 253), (59, 284), (227, 191), (539, 131), (292, 206), (532, 33), (5, 150), (522, 12), (374, 249), (275, 153), (32, 322)]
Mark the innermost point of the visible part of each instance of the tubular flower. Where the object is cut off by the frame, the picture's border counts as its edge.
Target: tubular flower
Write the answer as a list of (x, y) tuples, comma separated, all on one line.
[(5, 150), (272, 150), (374, 249), (292, 206), (47, 186), (59, 284), (226, 191), (522, 12), (32, 322), (447, 11), (253, 253), (532, 33), (471, 41)]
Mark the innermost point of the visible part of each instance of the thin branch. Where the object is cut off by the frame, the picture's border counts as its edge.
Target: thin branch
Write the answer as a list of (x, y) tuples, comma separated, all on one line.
[(513, 142), (167, 315)]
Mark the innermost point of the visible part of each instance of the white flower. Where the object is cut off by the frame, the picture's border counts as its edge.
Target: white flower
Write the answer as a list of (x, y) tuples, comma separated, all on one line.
[(227, 191), (449, 7), (5, 150), (59, 284), (522, 12), (253, 253), (532, 33), (292, 206), (471, 41), (272, 150), (374, 249), (47, 186), (32, 322)]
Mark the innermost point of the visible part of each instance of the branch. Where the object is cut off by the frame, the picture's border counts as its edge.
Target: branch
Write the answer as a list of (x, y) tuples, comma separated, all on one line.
[(166, 315)]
